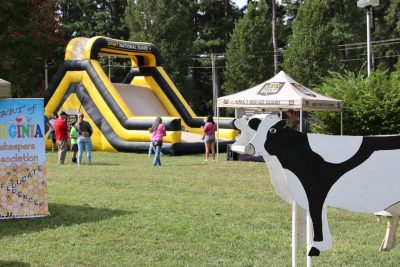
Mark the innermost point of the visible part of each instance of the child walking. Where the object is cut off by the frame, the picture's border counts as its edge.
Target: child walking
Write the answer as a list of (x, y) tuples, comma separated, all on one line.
[(74, 142)]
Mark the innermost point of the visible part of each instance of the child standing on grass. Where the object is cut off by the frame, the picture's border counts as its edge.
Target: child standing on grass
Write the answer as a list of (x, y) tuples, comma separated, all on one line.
[(209, 130), (159, 131), (74, 142), (151, 147)]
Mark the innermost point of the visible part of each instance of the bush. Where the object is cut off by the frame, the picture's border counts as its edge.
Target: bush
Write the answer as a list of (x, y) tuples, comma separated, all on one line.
[(371, 105)]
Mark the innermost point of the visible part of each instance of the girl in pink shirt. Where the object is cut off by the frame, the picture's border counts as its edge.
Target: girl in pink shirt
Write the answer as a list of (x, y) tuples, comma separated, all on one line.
[(158, 131), (209, 130)]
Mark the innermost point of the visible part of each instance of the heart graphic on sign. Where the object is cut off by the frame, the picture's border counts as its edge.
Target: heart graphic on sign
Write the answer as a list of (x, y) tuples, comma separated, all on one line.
[(18, 119)]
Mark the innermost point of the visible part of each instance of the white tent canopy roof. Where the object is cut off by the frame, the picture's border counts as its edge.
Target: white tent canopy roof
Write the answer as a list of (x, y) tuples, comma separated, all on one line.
[(280, 92)]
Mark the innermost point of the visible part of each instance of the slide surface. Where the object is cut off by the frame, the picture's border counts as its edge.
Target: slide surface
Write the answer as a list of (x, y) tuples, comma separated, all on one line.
[(121, 113)]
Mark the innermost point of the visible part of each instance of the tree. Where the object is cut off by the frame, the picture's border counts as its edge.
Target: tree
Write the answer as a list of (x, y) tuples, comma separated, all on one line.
[(88, 18), (214, 22), (30, 33), (311, 50), (386, 30), (371, 104), (249, 55), (168, 25)]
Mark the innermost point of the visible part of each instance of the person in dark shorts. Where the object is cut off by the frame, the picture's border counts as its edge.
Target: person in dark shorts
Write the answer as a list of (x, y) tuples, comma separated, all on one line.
[(209, 130)]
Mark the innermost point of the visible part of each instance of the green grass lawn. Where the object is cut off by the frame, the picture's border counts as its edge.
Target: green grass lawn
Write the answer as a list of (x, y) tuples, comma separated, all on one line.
[(121, 211)]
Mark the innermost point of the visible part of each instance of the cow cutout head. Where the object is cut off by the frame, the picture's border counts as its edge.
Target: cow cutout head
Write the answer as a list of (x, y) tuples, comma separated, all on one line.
[(246, 132), (256, 145)]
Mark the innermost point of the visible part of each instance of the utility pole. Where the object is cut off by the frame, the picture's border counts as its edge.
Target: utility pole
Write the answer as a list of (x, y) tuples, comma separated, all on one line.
[(368, 4), (214, 84), (274, 41), (46, 75), (109, 68)]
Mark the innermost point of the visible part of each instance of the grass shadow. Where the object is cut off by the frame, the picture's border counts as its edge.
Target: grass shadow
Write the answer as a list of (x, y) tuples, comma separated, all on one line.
[(61, 215), (100, 164), (13, 264), (183, 164)]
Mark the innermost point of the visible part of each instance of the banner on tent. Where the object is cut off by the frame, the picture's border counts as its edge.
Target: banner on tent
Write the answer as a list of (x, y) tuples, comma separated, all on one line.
[(303, 89), (271, 88), (23, 182)]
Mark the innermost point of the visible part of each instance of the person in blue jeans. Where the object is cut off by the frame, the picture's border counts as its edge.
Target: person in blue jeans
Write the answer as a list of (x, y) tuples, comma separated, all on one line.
[(85, 132), (158, 131), (151, 147)]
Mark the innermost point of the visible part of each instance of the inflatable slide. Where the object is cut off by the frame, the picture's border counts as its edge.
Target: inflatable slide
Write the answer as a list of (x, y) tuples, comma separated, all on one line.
[(121, 113)]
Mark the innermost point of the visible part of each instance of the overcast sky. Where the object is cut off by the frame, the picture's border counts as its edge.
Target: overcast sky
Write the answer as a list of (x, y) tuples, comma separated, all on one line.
[(240, 3)]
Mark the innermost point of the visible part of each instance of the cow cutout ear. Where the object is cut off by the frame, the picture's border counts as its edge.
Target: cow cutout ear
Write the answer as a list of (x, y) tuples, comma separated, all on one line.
[(254, 123), (240, 124), (281, 124)]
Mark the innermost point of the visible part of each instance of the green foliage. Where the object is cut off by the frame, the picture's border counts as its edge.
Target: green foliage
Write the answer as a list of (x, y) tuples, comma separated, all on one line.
[(168, 25), (29, 34), (214, 21), (386, 26), (311, 50), (88, 18), (347, 23), (249, 59), (370, 104)]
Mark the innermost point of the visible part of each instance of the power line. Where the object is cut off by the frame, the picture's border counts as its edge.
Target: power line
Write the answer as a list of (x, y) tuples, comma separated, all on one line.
[(373, 42), (362, 59), (363, 46)]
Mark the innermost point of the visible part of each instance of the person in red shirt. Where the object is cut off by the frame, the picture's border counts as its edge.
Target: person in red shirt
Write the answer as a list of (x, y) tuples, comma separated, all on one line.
[(209, 130), (61, 129)]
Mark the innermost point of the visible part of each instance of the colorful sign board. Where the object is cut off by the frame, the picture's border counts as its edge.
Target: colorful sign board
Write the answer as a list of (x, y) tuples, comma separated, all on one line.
[(23, 182)]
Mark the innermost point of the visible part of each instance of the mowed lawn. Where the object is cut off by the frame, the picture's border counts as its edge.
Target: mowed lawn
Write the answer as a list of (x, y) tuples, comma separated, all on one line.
[(122, 211)]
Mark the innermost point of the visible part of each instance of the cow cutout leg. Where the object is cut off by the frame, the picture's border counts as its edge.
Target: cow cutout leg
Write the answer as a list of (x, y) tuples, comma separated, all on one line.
[(326, 243), (316, 217)]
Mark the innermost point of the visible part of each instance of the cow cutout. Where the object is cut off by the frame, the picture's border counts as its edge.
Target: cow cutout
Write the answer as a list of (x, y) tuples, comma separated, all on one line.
[(276, 174), (351, 172)]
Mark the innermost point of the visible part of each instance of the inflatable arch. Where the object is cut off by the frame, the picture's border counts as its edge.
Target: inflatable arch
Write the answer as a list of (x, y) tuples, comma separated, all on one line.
[(121, 113)]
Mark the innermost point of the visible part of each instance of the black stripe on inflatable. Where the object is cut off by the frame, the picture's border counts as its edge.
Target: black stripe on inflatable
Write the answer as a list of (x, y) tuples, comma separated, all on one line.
[(131, 74), (48, 93), (119, 45), (130, 124), (177, 103), (113, 105)]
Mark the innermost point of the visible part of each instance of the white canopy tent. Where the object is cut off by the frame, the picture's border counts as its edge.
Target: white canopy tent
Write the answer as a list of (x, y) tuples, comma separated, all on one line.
[(5, 89), (279, 93)]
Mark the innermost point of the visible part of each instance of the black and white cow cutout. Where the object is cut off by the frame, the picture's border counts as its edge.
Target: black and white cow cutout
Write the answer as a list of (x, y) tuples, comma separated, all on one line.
[(351, 172), (276, 174)]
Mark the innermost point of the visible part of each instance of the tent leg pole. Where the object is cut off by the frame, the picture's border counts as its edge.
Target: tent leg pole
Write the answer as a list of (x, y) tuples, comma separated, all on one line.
[(301, 120), (341, 122), (217, 142)]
